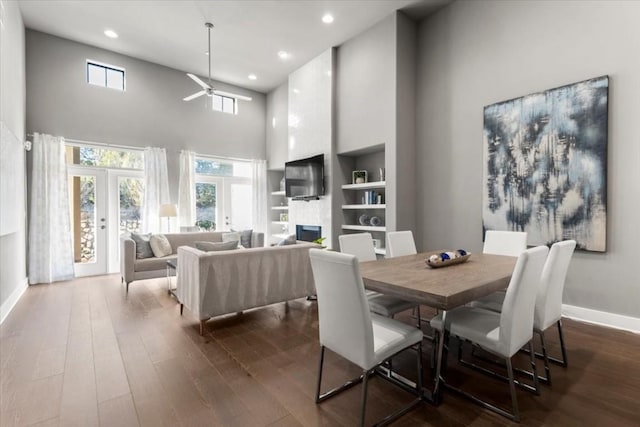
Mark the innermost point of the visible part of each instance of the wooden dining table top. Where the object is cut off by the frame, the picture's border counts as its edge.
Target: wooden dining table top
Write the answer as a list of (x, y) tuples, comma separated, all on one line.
[(409, 277)]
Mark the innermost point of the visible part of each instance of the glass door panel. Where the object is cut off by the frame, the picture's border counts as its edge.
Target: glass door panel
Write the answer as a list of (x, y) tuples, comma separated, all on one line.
[(240, 207), (88, 221), (207, 205)]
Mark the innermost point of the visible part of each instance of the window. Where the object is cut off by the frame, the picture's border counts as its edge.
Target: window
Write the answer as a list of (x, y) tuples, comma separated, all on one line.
[(223, 194), (104, 75), (104, 157), (225, 104)]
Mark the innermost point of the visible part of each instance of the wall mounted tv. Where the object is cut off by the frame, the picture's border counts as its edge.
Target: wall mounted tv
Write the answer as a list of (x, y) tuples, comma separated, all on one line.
[(304, 179)]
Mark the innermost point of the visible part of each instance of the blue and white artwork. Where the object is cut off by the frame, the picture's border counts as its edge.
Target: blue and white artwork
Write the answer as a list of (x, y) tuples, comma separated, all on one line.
[(545, 165)]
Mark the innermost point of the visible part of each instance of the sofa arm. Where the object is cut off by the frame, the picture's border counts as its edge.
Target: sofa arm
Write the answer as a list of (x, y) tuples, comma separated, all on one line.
[(257, 239), (189, 280), (127, 259)]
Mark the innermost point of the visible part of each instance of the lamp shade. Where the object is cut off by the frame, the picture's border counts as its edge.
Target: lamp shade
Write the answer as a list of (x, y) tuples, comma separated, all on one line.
[(168, 210)]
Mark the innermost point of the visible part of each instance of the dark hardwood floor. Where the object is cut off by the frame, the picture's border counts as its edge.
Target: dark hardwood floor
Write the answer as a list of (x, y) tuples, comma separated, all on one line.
[(84, 353)]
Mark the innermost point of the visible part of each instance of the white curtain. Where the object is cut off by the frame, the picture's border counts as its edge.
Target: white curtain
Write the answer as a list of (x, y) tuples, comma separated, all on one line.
[(187, 190), (156, 188), (50, 249), (259, 186)]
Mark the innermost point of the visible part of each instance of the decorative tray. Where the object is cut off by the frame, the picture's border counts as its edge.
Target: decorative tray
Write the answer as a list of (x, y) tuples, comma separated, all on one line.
[(446, 259)]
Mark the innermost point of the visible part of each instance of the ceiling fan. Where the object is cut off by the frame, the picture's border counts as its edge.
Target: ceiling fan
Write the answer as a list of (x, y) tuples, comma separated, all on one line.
[(208, 89)]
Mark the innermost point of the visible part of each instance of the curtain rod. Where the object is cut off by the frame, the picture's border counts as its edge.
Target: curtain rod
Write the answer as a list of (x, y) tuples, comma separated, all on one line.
[(72, 141)]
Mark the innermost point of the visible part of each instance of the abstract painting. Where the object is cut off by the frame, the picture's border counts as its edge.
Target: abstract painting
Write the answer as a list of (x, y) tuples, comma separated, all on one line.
[(545, 165)]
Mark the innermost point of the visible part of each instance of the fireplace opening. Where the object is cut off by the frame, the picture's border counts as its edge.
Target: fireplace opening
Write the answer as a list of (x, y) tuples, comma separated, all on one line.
[(308, 233)]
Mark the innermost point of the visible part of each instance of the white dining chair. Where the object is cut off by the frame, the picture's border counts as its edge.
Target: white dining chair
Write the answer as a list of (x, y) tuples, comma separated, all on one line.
[(510, 243), (548, 308), (347, 327), (361, 246), (504, 333), (400, 243)]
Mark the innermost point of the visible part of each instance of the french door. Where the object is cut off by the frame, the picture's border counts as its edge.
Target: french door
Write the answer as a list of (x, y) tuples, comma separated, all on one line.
[(227, 202), (88, 214), (103, 205)]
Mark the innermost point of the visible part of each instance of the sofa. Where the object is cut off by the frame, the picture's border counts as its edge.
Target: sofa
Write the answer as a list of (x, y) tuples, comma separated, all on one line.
[(210, 284), (132, 268)]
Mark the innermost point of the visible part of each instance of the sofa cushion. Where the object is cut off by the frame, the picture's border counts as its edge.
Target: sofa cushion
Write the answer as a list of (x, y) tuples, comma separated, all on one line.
[(160, 245), (231, 237), (245, 237), (211, 246), (189, 239), (153, 264), (143, 246), (289, 240)]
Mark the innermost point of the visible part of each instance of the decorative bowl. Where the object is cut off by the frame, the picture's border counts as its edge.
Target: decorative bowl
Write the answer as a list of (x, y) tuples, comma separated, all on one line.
[(448, 262)]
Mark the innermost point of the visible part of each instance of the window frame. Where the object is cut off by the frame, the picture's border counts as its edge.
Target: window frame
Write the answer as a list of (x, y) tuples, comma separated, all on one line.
[(222, 110), (106, 68)]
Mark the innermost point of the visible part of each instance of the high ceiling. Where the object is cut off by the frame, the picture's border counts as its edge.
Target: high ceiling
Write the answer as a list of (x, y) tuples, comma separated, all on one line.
[(246, 39)]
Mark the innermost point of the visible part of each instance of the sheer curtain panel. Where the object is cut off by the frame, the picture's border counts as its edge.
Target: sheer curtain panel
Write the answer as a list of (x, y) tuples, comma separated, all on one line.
[(259, 187), (156, 188), (50, 250), (186, 190)]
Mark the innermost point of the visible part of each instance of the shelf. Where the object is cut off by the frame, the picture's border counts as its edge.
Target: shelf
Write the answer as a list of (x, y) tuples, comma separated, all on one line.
[(364, 228), (280, 208), (365, 186), (278, 193), (381, 251), (280, 222), (379, 206)]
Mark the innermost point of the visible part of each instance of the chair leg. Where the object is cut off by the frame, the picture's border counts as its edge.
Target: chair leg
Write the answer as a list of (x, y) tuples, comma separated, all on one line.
[(321, 361), (545, 357), (181, 308), (363, 405), (564, 361), (419, 317), (512, 389), (536, 384)]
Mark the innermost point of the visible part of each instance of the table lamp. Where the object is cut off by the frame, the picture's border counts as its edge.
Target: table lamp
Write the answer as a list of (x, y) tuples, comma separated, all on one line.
[(169, 211)]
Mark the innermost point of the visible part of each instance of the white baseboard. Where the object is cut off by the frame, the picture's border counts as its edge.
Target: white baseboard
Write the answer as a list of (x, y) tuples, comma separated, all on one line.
[(603, 318), (8, 305)]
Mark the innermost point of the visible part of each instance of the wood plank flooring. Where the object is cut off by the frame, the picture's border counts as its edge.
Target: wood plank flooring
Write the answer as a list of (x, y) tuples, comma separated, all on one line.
[(85, 353)]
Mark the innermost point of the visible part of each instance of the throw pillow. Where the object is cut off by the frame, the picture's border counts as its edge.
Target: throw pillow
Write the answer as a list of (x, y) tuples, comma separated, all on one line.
[(217, 246), (231, 237), (160, 245), (289, 240), (143, 246), (245, 237)]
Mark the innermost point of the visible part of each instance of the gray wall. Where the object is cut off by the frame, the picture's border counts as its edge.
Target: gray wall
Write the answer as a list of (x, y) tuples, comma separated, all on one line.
[(149, 113), (12, 113), (365, 88), (473, 54), (277, 126)]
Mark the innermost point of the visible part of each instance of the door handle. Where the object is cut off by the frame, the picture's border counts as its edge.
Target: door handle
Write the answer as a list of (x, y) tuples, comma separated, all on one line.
[(102, 227)]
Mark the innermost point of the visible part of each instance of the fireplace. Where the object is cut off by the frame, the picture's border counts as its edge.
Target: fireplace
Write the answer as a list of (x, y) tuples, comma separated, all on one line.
[(308, 233)]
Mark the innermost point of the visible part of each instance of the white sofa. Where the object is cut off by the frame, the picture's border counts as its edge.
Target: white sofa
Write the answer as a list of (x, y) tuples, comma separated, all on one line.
[(215, 283), (132, 268)]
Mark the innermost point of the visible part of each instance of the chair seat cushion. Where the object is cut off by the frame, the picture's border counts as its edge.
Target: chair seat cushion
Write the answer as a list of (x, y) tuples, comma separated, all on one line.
[(475, 324), (386, 305), (491, 302), (390, 336)]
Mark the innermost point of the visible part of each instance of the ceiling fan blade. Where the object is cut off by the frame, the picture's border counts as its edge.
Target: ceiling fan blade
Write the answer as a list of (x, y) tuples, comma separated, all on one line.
[(232, 95), (195, 95), (197, 80)]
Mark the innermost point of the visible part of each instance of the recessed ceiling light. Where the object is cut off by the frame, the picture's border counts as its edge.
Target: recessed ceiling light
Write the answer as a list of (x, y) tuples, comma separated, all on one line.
[(283, 54), (252, 77), (111, 34), (327, 18), (207, 53)]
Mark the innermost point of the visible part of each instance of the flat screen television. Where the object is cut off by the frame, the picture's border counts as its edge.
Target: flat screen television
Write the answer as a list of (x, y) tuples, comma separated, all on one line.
[(304, 178)]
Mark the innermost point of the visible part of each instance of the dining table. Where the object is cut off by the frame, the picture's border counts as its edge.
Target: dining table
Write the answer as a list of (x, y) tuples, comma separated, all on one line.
[(445, 288)]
